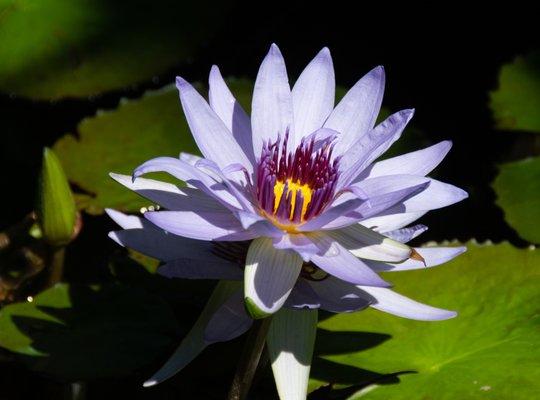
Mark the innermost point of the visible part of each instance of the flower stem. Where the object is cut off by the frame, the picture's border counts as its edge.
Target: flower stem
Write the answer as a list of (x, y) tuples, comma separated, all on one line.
[(249, 359), (57, 265)]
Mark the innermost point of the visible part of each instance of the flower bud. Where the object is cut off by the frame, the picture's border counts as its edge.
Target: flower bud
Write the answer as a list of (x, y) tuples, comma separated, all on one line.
[(56, 208)]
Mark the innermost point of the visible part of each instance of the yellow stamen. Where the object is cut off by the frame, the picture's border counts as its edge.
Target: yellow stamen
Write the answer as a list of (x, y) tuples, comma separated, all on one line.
[(292, 187)]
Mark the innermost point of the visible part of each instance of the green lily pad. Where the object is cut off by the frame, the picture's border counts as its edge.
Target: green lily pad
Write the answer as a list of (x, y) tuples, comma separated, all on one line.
[(518, 194), (81, 332), (516, 102), (52, 49), (490, 350)]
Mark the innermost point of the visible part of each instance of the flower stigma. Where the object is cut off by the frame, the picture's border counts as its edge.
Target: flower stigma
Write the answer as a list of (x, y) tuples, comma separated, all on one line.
[(293, 187)]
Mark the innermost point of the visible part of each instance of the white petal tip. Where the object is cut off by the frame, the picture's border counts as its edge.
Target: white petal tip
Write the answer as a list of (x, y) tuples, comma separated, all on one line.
[(274, 50), (114, 237), (114, 215), (443, 316), (122, 179), (447, 144), (325, 52), (150, 383), (215, 74)]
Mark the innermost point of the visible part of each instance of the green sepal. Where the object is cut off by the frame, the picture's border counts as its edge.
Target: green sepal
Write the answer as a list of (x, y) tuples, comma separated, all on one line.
[(254, 311)]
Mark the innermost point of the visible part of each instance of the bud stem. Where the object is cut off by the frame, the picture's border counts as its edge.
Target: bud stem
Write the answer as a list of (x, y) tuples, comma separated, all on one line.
[(249, 359), (57, 265)]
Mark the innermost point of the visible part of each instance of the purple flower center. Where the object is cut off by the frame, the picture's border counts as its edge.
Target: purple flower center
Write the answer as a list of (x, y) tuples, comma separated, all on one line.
[(293, 187)]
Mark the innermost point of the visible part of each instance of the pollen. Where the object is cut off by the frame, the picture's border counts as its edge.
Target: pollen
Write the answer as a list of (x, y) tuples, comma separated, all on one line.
[(295, 191)]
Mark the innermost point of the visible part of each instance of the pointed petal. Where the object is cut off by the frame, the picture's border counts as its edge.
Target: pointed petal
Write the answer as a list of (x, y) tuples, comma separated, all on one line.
[(366, 243), (313, 95), (200, 225), (385, 223), (435, 195), (405, 235), (193, 344), (356, 113), (375, 205), (420, 162), (341, 263), (391, 302), (169, 195), (290, 341), (191, 175), (231, 112), (370, 146), (389, 183), (229, 321), (209, 131), (271, 110), (126, 221), (331, 217), (432, 256), (339, 296), (189, 158), (297, 242), (238, 191), (269, 277)]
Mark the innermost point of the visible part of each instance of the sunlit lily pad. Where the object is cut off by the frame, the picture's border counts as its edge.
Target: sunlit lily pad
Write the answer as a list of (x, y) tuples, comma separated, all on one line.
[(518, 194), (53, 49), (490, 350), (82, 332), (516, 102)]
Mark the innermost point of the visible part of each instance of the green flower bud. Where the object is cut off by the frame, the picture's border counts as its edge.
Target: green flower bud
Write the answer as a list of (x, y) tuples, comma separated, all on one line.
[(56, 209)]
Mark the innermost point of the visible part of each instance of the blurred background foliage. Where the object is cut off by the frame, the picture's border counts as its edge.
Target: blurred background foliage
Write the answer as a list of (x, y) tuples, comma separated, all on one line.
[(92, 79)]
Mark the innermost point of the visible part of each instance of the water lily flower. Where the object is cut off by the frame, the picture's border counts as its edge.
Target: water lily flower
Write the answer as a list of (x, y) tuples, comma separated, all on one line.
[(289, 208)]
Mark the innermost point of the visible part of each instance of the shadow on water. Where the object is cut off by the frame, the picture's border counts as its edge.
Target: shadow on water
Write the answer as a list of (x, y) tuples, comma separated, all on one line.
[(354, 378), (110, 331)]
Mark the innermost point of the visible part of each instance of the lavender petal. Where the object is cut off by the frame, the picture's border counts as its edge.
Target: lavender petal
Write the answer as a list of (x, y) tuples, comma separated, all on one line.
[(231, 112), (341, 263), (391, 302), (209, 131), (204, 225), (356, 113), (313, 95), (269, 277), (271, 110), (420, 162)]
